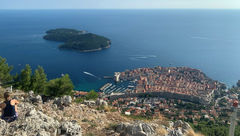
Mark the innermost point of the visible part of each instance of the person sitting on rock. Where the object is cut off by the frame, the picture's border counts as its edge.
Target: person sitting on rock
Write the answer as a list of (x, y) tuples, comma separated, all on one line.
[(9, 108)]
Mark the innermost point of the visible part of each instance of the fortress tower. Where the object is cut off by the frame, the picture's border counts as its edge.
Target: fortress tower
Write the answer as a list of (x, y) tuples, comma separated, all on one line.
[(117, 76)]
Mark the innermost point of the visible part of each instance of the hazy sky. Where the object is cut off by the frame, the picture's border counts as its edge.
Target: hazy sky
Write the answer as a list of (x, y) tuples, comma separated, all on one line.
[(117, 4)]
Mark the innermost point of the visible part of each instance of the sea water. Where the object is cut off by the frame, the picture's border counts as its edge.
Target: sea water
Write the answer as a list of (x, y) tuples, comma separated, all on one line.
[(208, 40)]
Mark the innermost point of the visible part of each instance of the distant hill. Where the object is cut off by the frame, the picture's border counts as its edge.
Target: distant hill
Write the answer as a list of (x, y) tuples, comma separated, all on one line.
[(77, 40)]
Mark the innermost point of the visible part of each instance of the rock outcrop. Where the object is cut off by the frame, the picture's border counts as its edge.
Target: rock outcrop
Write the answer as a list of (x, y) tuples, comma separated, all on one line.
[(177, 128), (101, 102), (70, 129), (34, 99), (63, 101), (136, 129), (33, 122)]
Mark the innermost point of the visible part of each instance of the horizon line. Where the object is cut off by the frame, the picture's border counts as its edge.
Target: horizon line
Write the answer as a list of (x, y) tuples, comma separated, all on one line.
[(122, 9)]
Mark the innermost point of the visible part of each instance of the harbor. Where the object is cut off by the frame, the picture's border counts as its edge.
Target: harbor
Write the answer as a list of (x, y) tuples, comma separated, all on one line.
[(117, 85)]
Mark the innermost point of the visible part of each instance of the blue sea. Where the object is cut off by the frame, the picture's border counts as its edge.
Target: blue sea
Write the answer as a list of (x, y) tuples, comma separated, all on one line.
[(208, 40)]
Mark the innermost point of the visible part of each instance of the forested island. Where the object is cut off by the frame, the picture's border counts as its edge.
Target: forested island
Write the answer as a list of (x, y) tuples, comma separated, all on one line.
[(77, 40)]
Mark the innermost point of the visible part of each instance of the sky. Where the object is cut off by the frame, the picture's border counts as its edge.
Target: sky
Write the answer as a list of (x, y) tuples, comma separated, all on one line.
[(119, 4)]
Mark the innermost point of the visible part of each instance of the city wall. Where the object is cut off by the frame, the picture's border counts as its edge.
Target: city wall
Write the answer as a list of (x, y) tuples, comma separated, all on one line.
[(168, 95)]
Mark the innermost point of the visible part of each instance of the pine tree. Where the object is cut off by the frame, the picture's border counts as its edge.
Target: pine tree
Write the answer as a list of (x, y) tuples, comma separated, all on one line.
[(39, 81), (16, 79), (59, 87), (25, 79), (5, 70)]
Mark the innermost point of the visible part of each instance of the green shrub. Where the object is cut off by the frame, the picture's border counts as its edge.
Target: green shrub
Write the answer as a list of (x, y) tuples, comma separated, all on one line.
[(92, 95), (79, 100), (59, 87)]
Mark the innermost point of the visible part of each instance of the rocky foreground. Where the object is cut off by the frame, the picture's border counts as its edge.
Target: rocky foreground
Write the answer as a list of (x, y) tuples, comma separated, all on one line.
[(62, 117)]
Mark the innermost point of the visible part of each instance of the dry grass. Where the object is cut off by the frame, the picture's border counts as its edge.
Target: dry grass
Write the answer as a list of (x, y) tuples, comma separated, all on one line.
[(192, 133), (107, 108), (160, 120), (161, 131)]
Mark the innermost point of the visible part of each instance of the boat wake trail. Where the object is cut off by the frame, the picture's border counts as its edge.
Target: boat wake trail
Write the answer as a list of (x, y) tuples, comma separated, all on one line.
[(138, 57), (202, 38), (215, 39), (90, 74)]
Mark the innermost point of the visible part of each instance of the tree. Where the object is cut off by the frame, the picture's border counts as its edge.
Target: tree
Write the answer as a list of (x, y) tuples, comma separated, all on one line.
[(5, 70), (59, 87), (39, 81), (238, 83), (25, 79), (16, 79), (92, 95)]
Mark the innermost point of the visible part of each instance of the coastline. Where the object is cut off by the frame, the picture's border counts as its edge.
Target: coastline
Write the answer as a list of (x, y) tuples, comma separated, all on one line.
[(85, 51), (93, 50), (77, 40)]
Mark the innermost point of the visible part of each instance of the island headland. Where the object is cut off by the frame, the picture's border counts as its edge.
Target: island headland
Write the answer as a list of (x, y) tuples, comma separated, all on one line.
[(77, 40)]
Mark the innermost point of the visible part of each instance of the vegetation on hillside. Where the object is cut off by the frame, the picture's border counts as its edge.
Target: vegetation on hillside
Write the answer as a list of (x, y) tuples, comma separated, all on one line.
[(5, 70), (39, 81), (77, 40), (210, 128), (60, 86), (92, 95), (25, 78), (36, 81)]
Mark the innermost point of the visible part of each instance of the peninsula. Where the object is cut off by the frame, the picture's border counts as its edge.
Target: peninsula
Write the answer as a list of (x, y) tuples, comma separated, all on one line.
[(175, 82), (77, 40)]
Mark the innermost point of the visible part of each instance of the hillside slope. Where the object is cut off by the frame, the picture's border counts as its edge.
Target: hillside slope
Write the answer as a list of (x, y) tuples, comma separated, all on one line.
[(64, 117)]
